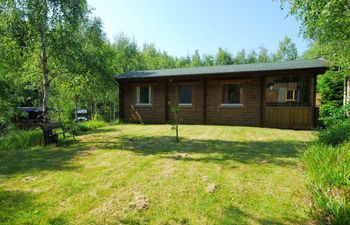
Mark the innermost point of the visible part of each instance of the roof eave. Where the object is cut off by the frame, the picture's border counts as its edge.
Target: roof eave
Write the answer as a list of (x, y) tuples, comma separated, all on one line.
[(321, 69)]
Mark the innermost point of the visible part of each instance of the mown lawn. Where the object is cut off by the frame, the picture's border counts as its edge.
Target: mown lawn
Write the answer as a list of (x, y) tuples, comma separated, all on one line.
[(99, 179)]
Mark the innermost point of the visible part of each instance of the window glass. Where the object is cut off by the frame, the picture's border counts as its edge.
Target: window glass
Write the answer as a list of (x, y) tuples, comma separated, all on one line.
[(291, 95), (185, 95), (231, 94), (143, 95), (289, 91)]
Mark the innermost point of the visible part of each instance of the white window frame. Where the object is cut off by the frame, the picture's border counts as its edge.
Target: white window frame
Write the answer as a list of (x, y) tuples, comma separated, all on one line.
[(138, 97), (184, 104), (294, 97), (232, 105)]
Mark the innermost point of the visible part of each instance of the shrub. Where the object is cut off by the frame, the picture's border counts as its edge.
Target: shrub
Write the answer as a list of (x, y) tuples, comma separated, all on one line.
[(19, 139), (335, 134), (89, 125), (175, 121), (332, 114), (328, 169)]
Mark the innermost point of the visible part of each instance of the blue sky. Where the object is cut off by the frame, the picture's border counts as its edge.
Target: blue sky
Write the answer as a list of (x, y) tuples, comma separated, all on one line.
[(179, 27)]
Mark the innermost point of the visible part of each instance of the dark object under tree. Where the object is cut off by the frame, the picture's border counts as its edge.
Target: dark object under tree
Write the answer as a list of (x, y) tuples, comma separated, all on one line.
[(51, 134)]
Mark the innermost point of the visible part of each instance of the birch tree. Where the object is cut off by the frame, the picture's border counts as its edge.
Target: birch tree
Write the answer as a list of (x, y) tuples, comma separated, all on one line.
[(49, 33)]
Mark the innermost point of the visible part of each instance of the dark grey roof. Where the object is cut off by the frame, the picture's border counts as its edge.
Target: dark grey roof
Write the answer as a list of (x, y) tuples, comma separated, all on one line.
[(258, 67)]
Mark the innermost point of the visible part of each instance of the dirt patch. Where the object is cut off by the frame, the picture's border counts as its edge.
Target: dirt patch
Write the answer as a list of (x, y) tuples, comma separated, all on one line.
[(108, 209), (212, 188), (264, 161), (83, 154), (184, 155), (204, 178), (168, 169), (30, 178), (140, 202)]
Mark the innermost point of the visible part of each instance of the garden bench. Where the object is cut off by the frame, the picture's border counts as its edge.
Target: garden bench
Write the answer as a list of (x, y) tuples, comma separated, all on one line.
[(51, 134)]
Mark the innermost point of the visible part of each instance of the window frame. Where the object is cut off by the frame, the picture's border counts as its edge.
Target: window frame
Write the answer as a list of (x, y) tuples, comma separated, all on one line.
[(294, 98), (231, 105), (178, 95), (138, 97), (302, 92)]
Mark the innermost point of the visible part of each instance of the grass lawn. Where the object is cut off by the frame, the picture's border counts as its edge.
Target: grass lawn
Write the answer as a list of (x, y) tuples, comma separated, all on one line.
[(110, 174)]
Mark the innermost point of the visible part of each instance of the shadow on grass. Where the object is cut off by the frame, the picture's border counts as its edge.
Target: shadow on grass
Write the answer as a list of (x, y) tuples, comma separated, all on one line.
[(215, 151), (212, 151), (234, 215), (39, 158), (46, 158), (99, 130), (22, 207), (14, 204)]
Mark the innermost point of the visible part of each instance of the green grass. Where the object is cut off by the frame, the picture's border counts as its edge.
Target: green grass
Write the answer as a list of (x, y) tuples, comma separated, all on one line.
[(19, 139), (90, 125), (257, 171), (328, 169)]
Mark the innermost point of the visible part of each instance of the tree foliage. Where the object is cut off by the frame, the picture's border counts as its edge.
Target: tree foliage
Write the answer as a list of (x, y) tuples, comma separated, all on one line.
[(57, 48), (328, 23), (44, 30), (223, 57), (286, 51)]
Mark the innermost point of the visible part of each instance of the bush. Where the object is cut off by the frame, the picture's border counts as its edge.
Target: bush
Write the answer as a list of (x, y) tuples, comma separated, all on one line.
[(335, 134), (89, 125), (18, 139), (328, 170), (332, 114), (330, 86)]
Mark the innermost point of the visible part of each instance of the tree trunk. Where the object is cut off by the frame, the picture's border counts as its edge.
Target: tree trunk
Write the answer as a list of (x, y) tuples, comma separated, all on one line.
[(177, 132), (113, 111), (110, 111), (92, 109), (95, 109), (46, 81), (347, 91), (76, 98)]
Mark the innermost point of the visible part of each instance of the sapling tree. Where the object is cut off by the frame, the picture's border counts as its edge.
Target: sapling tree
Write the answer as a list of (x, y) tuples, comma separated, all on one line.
[(176, 120)]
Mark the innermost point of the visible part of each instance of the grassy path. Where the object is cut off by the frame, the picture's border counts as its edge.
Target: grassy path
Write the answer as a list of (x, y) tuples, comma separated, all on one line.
[(257, 172)]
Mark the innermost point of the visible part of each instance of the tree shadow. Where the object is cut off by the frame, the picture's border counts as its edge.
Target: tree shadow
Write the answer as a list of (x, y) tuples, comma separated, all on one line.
[(40, 158), (234, 215), (276, 152), (216, 151), (45, 158), (100, 130), (19, 207), (14, 204)]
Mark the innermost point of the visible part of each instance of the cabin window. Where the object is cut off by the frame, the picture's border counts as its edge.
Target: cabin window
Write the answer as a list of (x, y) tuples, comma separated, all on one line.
[(288, 91), (143, 95), (231, 95), (291, 96), (185, 95)]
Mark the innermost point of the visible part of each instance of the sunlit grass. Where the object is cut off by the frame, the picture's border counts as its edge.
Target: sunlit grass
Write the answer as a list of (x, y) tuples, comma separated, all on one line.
[(257, 172)]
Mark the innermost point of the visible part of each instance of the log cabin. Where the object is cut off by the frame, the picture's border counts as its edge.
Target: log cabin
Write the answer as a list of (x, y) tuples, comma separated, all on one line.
[(277, 95)]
